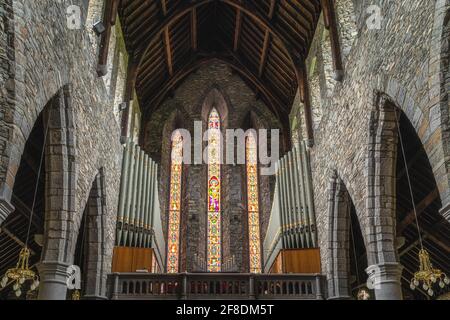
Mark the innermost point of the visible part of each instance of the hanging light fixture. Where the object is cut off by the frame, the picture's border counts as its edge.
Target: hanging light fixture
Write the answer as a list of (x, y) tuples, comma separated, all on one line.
[(427, 276), (22, 272)]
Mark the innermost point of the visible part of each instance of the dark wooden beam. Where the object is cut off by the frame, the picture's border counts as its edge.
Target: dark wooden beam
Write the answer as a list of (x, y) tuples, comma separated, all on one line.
[(128, 96), (302, 78), (420, 208), (237, 29), (194, 29), (166, 41), (105, 37), (331, 25), (266, 43)]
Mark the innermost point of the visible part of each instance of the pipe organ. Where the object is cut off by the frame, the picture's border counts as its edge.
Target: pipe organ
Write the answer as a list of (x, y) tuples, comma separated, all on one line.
[(292, 224), (138, 217)]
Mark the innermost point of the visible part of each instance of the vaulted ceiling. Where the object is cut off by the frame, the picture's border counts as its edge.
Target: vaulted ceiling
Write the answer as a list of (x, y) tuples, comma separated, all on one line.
[(261, 40)]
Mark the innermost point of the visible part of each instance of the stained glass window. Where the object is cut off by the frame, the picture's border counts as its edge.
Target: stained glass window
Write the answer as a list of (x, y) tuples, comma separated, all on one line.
[(173, 242), (214, 185), (253, 205)]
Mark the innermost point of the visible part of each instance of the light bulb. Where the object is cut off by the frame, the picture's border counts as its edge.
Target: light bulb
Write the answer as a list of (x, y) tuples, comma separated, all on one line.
[(4, 281), (433, 279), (22, 280), (447, 280), (441, 284), (412, 286), (430, 292), (416, 282), (32, 287), (16, 286), (36, 283), (425, 286), (18, 293)]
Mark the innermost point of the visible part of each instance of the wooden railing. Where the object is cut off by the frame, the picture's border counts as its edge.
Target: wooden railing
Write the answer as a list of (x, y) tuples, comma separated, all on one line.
[(212, 286)]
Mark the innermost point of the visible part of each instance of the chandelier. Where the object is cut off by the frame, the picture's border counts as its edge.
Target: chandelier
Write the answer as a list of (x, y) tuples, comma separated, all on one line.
[(427, 275), (21, 273)]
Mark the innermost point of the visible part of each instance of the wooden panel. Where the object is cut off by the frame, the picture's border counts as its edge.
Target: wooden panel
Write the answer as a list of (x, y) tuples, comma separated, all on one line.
[(297, 261), (127, 259)]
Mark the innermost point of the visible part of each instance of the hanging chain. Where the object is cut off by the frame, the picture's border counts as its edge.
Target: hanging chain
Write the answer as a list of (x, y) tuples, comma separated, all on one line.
[(408, 178), (37, 179), (354, 249)]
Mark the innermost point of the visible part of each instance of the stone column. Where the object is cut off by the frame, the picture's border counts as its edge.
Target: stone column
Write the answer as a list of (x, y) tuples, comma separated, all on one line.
[(386, 280), (53, 280), (5, 209)]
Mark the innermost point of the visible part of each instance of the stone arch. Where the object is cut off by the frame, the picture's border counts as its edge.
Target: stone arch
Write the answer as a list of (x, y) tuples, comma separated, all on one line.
[(214, 96), (21, 111), (384, 267), (91, 244), (429, 124), (439, 85), (60, 211), (338, 266)]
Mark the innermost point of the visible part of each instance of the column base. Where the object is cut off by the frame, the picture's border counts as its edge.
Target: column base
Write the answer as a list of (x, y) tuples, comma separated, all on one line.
[(53, 278), (385, 279)]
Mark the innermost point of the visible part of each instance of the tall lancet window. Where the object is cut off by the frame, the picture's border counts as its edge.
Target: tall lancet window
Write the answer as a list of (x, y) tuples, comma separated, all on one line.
[(253, 204), (214, 185), (176, 170)]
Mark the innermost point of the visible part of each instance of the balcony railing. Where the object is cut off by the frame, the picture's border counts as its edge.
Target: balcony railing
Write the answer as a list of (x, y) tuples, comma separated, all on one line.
[(214, 286)]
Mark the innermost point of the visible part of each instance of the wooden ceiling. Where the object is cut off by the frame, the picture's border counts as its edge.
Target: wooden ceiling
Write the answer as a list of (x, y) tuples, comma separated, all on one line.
[(261, 40)]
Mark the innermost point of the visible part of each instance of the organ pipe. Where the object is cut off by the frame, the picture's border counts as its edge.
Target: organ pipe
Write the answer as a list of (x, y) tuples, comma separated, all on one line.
[(138, 217), (294, 207)]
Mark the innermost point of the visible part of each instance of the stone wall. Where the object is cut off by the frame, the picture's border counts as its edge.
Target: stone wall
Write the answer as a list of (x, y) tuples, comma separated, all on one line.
[(212, 85), (403, 60), (39, 56)]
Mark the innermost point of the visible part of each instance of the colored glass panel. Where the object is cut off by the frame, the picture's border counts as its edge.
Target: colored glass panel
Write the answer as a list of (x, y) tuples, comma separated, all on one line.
[(253, 205), (214, 185), (176, 170)]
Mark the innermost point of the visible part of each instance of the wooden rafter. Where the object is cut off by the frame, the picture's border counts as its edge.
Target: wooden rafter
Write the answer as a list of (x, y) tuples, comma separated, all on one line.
[(237, 29), (273, 40), (331, 25), (302, 76), (266, 43), (194, 36), (166, 41), (420, 208), (108, 19)]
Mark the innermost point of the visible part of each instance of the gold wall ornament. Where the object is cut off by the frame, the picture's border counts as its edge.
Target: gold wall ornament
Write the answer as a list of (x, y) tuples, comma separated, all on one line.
[(363, 294), (21, 273), (427, 275), (76, 295)]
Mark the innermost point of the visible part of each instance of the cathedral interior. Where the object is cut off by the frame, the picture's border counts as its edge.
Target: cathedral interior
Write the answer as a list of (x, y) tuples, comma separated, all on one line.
[(325, 126)]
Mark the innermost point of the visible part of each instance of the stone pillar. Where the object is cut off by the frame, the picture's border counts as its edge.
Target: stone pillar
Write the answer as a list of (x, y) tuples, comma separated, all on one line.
[(5, 209), (386, 280), (53, 280)]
